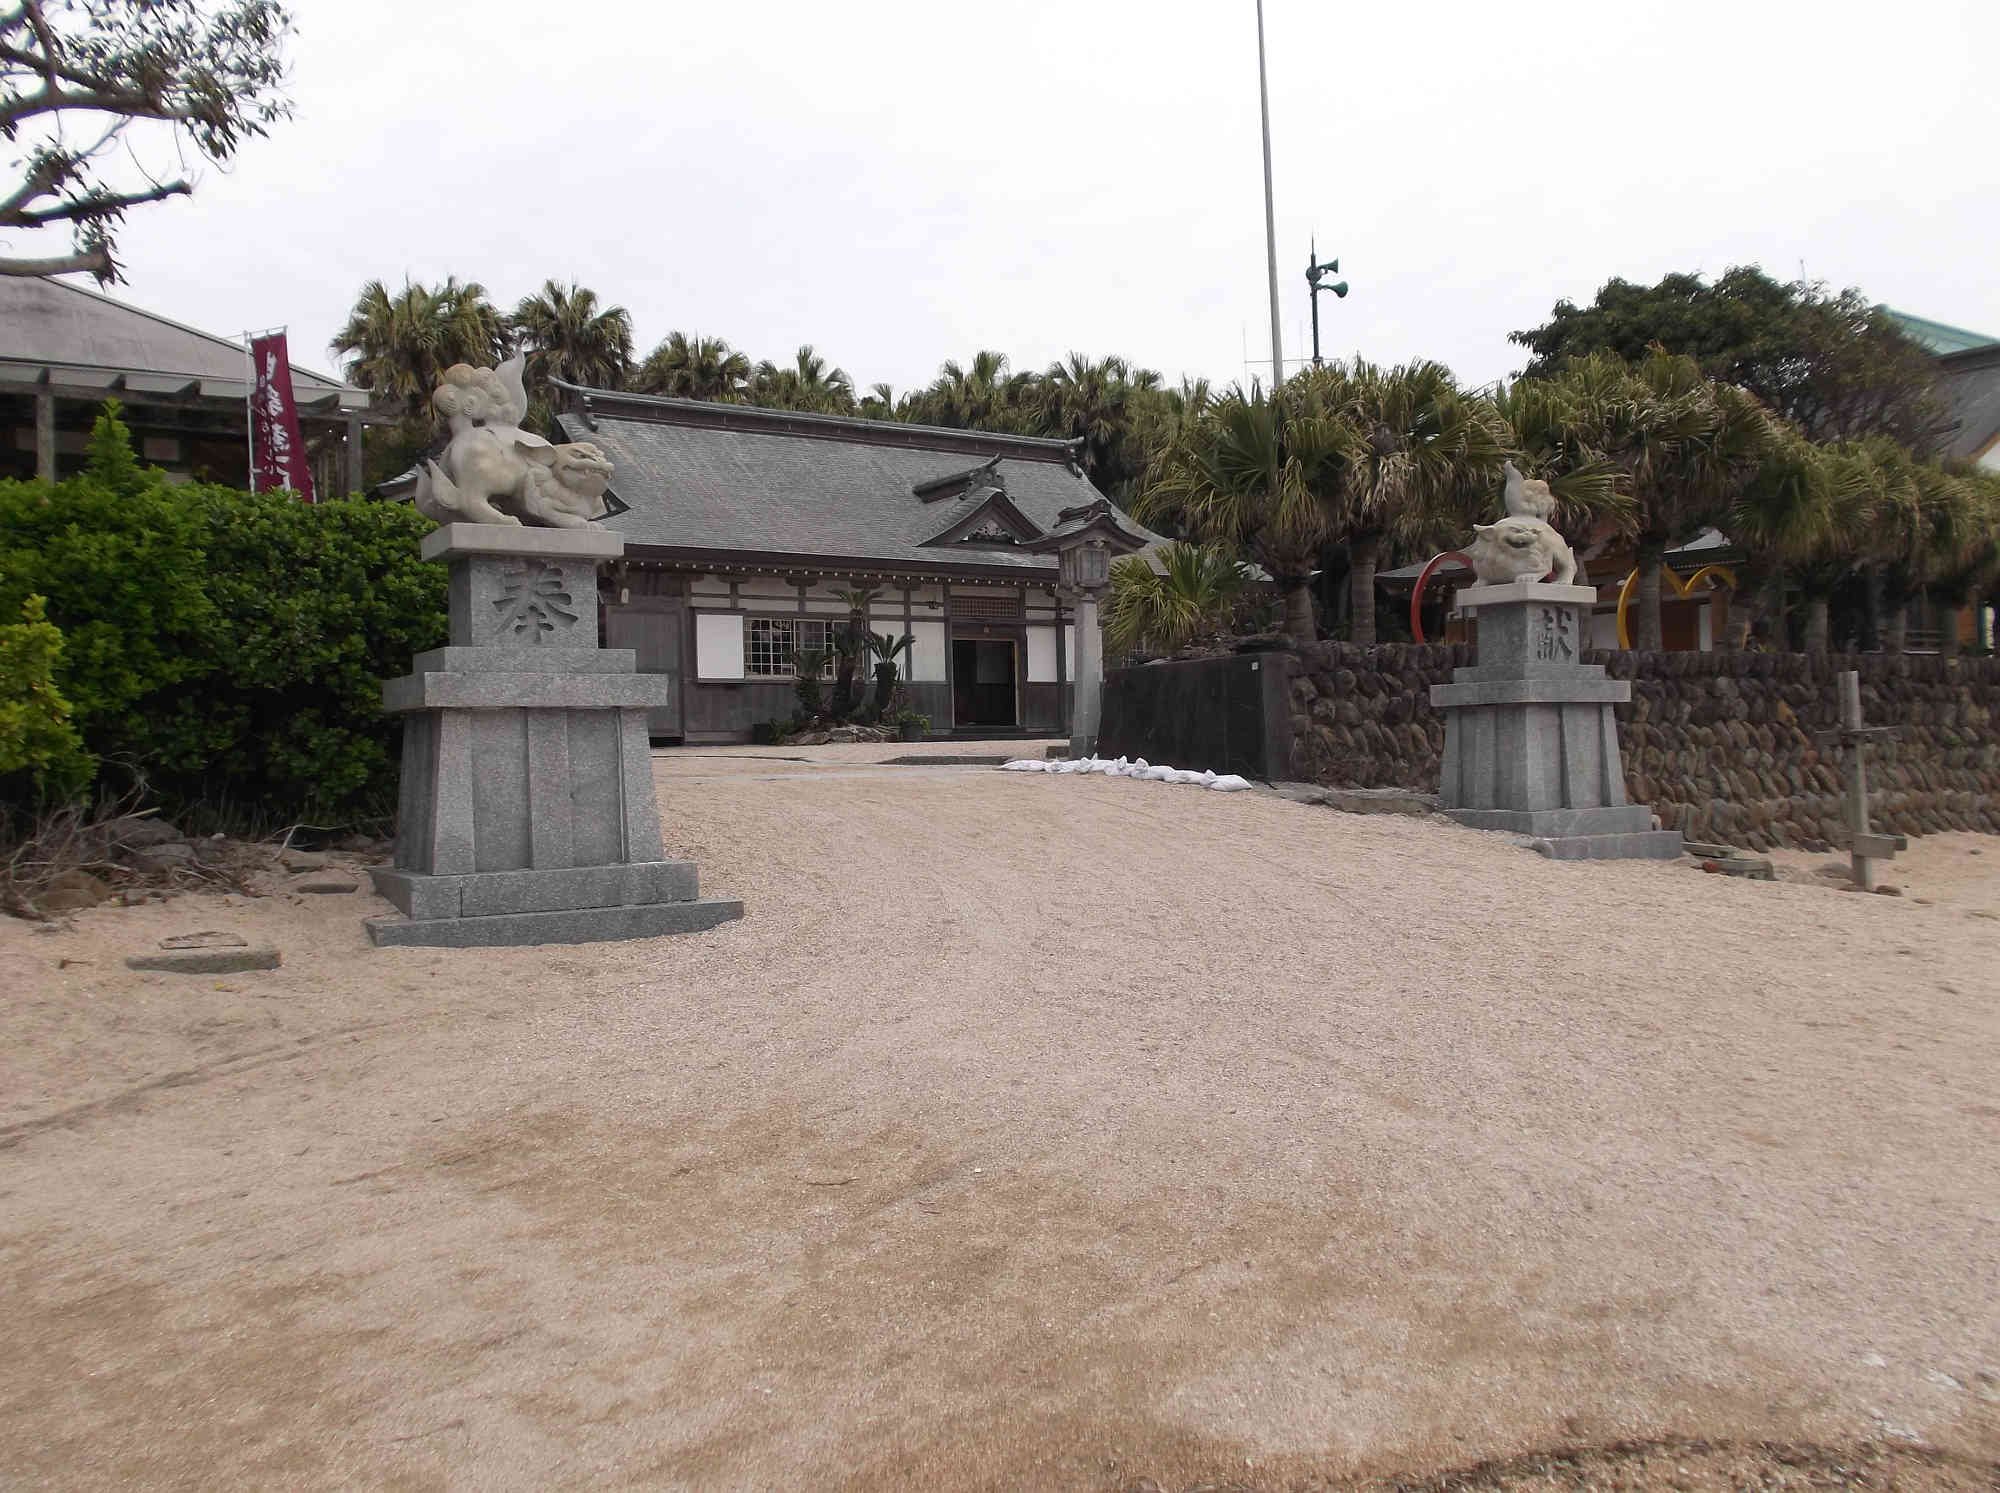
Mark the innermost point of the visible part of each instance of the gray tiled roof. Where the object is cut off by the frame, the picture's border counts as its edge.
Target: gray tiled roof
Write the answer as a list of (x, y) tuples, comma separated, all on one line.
[(53, 322), (729, 477)]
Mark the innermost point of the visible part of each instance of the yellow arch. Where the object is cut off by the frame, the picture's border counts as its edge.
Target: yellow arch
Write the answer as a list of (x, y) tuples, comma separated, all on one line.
[(1710, 573)]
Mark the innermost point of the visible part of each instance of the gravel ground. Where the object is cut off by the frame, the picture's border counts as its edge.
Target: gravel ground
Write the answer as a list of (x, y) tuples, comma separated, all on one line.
[(1029, 1132)]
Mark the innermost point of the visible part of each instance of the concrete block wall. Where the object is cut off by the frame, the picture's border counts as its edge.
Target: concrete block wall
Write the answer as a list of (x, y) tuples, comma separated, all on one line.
[(1720, 744)]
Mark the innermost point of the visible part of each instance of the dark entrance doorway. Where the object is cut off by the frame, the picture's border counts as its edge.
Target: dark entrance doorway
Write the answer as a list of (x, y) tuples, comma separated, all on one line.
[(983, 684)]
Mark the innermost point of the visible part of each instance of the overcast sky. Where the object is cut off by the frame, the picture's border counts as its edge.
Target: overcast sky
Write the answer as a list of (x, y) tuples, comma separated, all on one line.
[(902, 183)]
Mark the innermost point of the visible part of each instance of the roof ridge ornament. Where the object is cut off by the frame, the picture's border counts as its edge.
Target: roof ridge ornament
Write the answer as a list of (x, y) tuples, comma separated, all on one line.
[(958, 483)]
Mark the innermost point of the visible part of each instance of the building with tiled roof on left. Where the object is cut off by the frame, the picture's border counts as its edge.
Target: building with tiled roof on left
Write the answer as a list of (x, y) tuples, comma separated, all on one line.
[(184, 393)]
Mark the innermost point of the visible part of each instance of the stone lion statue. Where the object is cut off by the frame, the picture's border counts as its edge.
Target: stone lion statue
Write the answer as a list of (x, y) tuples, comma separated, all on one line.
[(493, 471), (1519, 549), (1526, 497)]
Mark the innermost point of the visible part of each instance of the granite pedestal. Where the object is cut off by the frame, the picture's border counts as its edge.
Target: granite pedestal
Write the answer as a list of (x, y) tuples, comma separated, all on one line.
[(1530, 742), (527, 813)]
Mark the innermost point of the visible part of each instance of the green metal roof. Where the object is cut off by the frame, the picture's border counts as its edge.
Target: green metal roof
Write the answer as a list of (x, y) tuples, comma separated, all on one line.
[(1935, 335)]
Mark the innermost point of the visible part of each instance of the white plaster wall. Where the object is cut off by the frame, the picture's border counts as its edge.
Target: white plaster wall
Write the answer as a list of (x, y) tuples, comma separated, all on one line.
[(718, 646), (927, 654), (1041, 655)]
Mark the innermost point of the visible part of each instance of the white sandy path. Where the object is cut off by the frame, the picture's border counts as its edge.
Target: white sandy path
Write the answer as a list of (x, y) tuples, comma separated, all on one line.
[(1029, 1132)]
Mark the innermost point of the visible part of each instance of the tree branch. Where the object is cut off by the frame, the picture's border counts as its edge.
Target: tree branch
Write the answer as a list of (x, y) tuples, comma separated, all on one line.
[(99, 100), (96, 259), (95, 205)]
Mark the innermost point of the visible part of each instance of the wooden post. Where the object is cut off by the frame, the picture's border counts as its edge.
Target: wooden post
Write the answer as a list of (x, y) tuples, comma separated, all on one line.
[(1857, 777), (1867, 847), (45, 435), (354, 467)]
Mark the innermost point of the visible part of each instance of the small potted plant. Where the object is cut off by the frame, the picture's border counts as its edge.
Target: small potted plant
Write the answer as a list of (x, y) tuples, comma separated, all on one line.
[(911, 726)]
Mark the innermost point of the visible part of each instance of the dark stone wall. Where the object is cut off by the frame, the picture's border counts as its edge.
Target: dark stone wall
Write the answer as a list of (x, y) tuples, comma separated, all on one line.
[(1719, 744), (1220, 715)]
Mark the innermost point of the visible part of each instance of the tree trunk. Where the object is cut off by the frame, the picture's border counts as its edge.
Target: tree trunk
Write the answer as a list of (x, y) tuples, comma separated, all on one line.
[(1648, 599), (1299, 612), (1872, 613), (1897, 633), (1747, 605), (1819, 625), (1948, 631), (1361, 551)]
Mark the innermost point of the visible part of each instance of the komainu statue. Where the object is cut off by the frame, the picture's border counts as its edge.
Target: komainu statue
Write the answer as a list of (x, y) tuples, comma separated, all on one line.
[(1519, 549), (1526, 497), (494, 472)]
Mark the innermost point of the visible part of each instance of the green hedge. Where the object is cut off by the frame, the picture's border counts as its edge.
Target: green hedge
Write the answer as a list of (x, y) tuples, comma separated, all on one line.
[(228, 646)]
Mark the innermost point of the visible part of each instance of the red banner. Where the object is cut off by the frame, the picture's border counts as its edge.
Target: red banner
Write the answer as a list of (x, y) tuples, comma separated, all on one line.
[(277, 453)]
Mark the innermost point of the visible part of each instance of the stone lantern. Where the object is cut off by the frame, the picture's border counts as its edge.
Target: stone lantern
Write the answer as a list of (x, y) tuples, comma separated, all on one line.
[(1084, 541)]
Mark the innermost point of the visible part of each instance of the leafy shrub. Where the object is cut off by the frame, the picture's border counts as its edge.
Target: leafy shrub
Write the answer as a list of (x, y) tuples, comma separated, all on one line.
[(229, 646), (316, 605), (41, 756), (118, 554), (806, 666), (1193, 593), (886, 649)]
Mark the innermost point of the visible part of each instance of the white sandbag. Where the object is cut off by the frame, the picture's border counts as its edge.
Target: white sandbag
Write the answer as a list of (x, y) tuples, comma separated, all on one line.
[(1186, 775), (1024, 764), (1230, 783), (1157, 774)]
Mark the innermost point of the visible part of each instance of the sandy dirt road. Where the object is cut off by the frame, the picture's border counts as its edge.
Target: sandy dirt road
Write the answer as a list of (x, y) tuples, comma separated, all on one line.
[(1027, 1133)]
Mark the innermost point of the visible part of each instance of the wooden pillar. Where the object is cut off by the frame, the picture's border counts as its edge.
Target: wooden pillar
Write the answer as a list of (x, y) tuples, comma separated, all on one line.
[(45, 435), (354, 454), (1063, 712)]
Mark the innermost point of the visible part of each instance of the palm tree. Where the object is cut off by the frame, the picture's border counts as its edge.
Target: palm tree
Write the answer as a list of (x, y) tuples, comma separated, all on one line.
[(400, 345), (1248, 474), (1189, 595), (567, 336), (1684, 447), (694, 368), (1924, 523), (1822, 555), (1418, 457), (1098, 403), (1967, 580), (879, 403), (983, 396), (1788, 514), (808, 385)]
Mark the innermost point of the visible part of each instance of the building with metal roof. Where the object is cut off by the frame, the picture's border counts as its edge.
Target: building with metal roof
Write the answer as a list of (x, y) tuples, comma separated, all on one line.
[(1968, 365), (1936, 337), (744, 526), (64, 350)]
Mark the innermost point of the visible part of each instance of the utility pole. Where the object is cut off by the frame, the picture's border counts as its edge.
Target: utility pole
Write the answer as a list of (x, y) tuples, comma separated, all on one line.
[(1270, 213), (1314, 270)]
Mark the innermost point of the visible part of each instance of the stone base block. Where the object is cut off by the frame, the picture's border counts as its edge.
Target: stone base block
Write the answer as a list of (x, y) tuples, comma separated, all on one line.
[(575, 925), (1646, 845), (496, 893), (1561, 824)]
